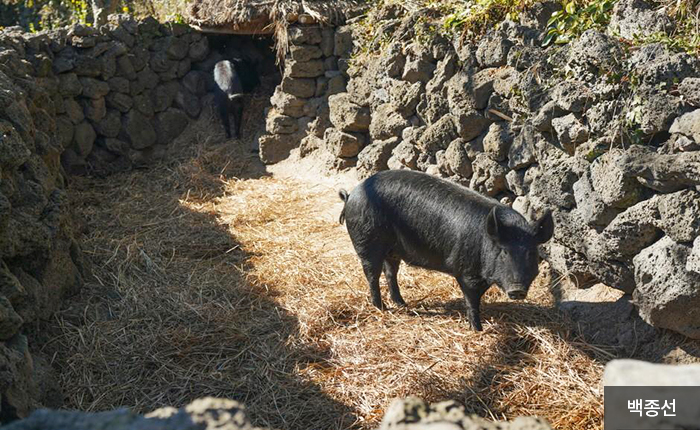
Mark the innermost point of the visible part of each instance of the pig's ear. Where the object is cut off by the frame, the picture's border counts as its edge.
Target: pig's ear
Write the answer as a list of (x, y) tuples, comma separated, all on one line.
[(544, 228), (494, 227)]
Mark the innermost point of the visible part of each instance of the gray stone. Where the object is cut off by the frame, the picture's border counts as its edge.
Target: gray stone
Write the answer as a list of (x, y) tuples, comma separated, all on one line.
[(601, 115), (689, 89), (655, 65), (121, 34), (482, 86), (299, 87), (570, 132), (188, 102), (386, 123), (125, 68), (554, 186), (84, 138), (497, 141), (432, 107), (161, 63), (373, 157), (274, 148), (147, 79), (321, 86), (438, 135), (199, 49), (138, 131), (70, 85), (64, 132), (470, 124), (336, 85), (144, 104), (667, 295), (493, 49), (95, 109), (280, 124), (393, 60), (169, 125), (589, 203), (195, 82), (202, 413), (522, 57), (343, 144), (176, 48), (680, 215), (456, 160), (628, 233), (489, 176), (94, 88), (87, 66), (139, 58), (572, 96), (608, 176), (636, 18), (74, 110), (406, 155), (658, 111), (290, 105), (110, 125), (596, 50), (163, 96), (405, 96), (346, 115), (688, 125), (303, 53), (418, 67), (445, 69), (537, 16), (327, 41), (343, 41), (661, 172), (10, 321), (119, 84), (544, 117), (415, 414), (522, 152), (121, 102), (306, 69)]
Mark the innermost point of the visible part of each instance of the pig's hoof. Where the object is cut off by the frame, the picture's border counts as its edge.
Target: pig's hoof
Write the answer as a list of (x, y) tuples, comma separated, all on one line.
[(399, 302), (379, 305)]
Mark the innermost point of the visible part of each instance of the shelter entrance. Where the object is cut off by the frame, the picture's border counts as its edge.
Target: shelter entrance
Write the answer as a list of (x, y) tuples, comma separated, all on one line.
[(254, 56)]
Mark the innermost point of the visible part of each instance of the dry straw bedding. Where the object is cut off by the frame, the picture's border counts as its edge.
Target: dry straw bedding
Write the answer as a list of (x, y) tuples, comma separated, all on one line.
[(211, 278)]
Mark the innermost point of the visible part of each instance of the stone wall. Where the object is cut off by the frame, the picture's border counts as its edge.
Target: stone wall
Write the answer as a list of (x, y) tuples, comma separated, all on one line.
[(74, 101), (210, 413), (122, 92), (40, 262), (312, 73), (604, 136)]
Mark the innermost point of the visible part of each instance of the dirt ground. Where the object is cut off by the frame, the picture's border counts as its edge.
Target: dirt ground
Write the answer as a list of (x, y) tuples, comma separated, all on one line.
[(214, 276)]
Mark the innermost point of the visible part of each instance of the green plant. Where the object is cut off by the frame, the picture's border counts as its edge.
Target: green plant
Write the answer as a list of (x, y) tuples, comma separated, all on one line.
[(575, 17), (473, 18)]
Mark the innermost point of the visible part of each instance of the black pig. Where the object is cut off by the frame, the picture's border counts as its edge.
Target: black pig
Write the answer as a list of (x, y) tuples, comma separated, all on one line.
[(233, 79), (431, 223)]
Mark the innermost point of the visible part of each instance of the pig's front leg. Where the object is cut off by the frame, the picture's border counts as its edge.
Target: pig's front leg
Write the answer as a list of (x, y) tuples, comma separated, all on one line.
[(473, 289)]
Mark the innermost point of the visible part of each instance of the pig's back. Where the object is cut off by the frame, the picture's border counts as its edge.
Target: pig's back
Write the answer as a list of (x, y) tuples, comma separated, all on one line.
[(434, 222)]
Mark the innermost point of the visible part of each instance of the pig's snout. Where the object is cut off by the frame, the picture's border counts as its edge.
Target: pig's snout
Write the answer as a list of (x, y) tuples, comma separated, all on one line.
[(518, 294)]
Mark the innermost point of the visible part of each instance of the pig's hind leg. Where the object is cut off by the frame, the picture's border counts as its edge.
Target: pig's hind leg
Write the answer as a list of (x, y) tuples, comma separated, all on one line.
[(391, 271), (372, 254)]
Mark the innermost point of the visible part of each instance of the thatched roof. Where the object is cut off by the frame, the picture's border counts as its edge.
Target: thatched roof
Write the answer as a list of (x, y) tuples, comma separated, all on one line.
[(265, 16)]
